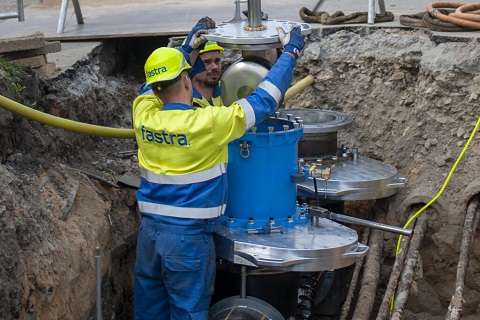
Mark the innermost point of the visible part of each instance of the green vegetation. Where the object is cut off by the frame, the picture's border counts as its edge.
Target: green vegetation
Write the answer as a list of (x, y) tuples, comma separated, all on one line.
[(9, 73)]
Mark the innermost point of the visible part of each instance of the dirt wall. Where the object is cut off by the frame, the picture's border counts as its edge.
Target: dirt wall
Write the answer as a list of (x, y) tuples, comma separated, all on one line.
[(414, 101)]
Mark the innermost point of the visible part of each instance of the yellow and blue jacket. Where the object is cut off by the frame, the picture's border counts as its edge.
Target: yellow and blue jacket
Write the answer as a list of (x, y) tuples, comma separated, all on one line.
[(200, 102), (183, 152)]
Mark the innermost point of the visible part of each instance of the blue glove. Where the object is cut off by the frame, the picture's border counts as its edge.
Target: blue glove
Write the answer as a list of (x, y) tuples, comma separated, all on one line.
[(196, 38), (292, 41)]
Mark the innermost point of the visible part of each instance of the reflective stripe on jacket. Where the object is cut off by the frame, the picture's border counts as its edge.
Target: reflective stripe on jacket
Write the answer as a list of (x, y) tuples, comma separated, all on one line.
[(183, 151)]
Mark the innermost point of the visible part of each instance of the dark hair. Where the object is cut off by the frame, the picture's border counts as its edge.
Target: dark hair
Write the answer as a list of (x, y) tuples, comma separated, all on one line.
[(161, 86)]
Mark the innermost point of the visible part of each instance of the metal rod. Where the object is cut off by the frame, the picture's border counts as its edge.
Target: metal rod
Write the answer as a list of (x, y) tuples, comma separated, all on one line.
[(98, 283), (381, 7), (21, 15), (78, 11), (243, 289), (371, 11), (317, 6), (63, 16), (324, 213), (254, 13)]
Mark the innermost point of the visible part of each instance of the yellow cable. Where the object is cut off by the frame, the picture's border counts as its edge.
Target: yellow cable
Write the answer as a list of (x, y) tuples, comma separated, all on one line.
[(58, 122), (444, 185), (472, 135)]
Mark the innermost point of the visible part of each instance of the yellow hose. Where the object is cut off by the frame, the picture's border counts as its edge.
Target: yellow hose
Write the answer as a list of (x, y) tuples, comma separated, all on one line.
[(58, 122), (298, 87)]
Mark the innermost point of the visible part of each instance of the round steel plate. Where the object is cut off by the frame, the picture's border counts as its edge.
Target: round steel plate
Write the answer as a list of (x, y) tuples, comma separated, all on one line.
[(361, 179), (233, 35), (319, 121), (321, 244)]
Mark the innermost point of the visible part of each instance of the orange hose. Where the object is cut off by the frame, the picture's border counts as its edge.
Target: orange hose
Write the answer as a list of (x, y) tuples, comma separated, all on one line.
[(468, 12), (450, 18)]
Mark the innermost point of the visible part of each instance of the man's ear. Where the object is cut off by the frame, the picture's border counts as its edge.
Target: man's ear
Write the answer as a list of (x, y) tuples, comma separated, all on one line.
[(187, 83)]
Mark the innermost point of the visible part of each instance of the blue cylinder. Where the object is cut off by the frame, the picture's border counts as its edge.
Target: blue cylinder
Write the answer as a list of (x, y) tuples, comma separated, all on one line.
[(260, 191)]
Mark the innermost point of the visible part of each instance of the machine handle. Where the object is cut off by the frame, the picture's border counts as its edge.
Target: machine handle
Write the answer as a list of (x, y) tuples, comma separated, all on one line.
[(335, 192), (264, 260), (324, 213), (400, 183), (359, 252)]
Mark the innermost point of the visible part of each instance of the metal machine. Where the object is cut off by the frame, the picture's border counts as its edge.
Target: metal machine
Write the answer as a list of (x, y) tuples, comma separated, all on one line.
[(272, 238)]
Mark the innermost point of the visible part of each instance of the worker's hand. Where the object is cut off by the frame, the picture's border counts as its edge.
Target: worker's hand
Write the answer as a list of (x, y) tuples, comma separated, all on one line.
[(196, 38), (292, 41)]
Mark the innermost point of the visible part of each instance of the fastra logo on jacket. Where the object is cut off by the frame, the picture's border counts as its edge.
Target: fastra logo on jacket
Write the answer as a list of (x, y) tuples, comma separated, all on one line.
[(164, 137)]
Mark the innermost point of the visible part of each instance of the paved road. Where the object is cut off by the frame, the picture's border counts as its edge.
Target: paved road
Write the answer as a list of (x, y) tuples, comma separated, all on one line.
[(127, 18)]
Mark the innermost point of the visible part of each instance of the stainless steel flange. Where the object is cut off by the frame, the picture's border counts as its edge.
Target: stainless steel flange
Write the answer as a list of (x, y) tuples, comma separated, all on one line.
[(238, 35)]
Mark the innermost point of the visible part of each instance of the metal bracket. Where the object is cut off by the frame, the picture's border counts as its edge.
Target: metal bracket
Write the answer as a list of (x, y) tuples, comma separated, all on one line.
[(18, 14), (266, 229), (63, 14)]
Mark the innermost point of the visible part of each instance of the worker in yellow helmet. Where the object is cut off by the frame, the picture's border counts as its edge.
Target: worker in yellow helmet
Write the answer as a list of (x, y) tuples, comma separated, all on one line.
[(183, 155), (206, 88)]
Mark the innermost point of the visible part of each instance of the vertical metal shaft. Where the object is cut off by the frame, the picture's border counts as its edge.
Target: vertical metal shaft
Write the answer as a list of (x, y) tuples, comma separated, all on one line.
[(254, 13), (63, 16), (381, 7), (98, 284), (21, 14), (243, 289), (371, 11)]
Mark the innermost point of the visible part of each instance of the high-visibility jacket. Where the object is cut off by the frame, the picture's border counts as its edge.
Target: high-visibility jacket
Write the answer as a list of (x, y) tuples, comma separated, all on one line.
[(200, 102), (183, 152)]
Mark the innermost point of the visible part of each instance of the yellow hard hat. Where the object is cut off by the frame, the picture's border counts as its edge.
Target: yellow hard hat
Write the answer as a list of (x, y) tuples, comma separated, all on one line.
[(211, 46), (164, 64)]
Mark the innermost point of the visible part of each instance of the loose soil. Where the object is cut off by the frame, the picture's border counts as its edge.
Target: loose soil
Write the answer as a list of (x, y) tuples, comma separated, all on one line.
[(414, 101)]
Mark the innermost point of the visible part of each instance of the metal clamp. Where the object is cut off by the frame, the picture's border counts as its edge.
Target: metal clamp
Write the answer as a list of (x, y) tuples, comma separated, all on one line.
[(266, 229)]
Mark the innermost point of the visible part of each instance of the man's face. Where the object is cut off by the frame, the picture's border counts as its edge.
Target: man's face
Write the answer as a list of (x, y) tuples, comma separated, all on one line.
[(211, 76)]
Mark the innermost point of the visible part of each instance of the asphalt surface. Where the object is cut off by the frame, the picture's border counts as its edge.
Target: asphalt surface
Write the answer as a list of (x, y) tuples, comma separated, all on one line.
[(128, 18)]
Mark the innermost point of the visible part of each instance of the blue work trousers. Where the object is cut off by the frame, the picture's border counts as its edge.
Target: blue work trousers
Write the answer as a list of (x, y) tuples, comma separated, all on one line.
[(174, 274)]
